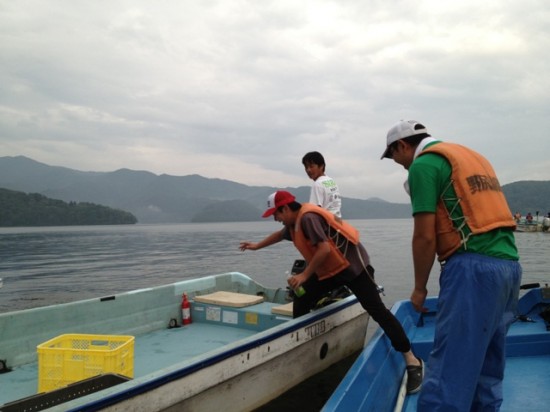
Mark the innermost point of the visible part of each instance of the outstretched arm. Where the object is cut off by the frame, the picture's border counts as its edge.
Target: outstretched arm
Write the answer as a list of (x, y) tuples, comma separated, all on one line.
[(273, 238)]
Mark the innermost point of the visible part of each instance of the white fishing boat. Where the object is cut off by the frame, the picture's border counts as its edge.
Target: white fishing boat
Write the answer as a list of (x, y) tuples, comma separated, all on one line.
[(242, 349), (529, 227)]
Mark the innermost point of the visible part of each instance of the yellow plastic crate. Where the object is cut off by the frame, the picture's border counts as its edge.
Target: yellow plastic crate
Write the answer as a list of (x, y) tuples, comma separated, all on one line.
[(74, 357)]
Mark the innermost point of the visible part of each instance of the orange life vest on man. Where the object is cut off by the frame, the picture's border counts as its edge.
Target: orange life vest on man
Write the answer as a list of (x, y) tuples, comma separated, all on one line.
[(336, 261), (479, 196)]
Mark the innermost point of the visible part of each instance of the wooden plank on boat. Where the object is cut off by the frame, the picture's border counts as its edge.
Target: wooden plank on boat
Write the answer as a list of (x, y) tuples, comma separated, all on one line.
[(232, 299), (282, 309)]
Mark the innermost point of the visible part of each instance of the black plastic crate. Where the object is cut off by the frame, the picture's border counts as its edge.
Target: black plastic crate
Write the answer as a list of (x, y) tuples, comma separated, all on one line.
[(75, 390)]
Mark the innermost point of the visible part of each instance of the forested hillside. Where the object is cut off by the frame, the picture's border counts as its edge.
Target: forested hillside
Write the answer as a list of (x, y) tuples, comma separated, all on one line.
[(21, 209), (181, 199), (528, 196)]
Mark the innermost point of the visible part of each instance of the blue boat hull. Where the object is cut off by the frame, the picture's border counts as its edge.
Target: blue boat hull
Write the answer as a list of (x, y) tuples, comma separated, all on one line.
[(374, 382)]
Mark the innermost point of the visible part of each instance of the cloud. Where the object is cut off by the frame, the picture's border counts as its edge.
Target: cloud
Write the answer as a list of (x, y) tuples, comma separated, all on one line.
[(242, 89)]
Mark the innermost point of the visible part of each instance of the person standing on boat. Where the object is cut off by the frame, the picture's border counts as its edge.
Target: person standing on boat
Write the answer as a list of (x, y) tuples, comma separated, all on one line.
[(324, 191), (335, 257), (546, 223), (460, 215)]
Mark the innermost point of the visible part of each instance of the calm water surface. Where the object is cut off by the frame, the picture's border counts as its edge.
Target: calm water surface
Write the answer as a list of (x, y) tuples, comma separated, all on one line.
[(59, 264), (42, 266)]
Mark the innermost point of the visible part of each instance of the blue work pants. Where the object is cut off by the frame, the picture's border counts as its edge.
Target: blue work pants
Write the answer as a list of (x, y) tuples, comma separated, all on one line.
[(477, 303)]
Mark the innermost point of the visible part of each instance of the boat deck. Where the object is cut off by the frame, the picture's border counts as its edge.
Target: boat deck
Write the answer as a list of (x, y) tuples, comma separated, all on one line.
[(376, 379), (524, 385), (527, 375), (165, 347)]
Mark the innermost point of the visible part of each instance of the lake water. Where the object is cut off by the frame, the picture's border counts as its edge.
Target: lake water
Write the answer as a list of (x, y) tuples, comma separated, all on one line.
[(58, 264), (42, 266)]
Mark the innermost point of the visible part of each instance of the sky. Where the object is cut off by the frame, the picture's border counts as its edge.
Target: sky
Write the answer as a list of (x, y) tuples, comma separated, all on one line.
[(242, 89)]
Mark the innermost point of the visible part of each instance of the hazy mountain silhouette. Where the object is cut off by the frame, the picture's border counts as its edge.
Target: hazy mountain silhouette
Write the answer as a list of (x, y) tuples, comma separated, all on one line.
[(171, 199)]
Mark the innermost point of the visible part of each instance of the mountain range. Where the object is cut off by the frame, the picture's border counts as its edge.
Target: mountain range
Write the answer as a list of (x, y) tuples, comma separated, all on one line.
[(177, 199)]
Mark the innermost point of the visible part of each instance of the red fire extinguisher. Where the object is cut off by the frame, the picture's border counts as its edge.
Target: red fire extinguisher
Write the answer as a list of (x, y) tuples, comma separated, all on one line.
[(185, 310)]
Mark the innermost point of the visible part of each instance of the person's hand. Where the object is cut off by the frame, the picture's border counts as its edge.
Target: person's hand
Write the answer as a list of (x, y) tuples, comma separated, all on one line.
[(295, 281), (248, 245), (418, 297)]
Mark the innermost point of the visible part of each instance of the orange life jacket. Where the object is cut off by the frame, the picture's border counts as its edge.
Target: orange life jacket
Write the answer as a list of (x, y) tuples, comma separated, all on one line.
[(479, 195), (336, 261)]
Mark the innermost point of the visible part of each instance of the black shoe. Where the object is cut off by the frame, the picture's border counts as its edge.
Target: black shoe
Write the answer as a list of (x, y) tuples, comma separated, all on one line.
[(414, 378)]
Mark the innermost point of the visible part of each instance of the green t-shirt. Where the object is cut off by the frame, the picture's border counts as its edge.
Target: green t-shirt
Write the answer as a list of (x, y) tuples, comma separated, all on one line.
[(429, 178)]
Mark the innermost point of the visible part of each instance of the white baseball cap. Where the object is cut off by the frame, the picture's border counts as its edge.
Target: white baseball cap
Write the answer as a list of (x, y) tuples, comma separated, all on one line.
[(402, 129)]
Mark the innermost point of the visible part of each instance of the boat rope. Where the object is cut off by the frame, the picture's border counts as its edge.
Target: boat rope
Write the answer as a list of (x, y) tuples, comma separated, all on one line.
[(452, 204)]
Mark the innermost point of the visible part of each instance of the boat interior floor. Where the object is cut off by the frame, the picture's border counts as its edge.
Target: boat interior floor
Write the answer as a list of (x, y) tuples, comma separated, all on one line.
[(522, 385), (158, 349), (527, 375)]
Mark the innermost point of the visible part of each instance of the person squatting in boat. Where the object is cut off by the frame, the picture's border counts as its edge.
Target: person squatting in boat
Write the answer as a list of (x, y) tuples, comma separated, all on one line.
[(335, 257)]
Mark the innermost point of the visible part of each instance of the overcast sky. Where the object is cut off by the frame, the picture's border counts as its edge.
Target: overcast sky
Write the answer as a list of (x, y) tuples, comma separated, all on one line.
[(241, 90)]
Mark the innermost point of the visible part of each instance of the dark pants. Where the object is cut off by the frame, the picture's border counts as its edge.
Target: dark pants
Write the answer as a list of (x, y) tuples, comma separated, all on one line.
[(366, 293)]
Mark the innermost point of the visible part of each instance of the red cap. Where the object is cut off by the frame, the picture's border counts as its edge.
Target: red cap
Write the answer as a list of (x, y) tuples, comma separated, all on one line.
[(276, 200)]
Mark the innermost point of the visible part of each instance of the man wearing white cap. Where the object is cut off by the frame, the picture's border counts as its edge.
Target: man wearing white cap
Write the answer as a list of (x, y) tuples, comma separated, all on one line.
[(334, 257), (460, 215)]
